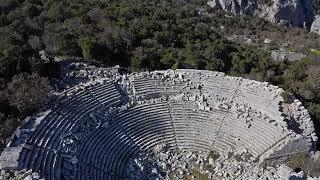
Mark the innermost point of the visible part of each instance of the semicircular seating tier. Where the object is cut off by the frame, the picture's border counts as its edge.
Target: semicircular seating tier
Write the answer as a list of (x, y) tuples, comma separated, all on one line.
[(94, 128)]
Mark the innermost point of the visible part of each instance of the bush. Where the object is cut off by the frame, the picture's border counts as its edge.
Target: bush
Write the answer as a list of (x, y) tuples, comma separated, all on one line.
[(87, 45), (302, 161), (297, 160), (287, 97), (214, 155), (28, 93)]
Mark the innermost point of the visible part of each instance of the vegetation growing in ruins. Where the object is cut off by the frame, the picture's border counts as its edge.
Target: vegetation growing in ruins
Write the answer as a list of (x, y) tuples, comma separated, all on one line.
[(214, 155), (298, 160), (141, 35), (304, 162), (195, 174), (24, 94), (287, 97)]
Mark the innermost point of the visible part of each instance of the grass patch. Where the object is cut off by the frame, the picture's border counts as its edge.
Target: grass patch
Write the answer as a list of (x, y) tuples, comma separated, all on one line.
[(197, 175), (315, 52), (303, 162), (297, 160)]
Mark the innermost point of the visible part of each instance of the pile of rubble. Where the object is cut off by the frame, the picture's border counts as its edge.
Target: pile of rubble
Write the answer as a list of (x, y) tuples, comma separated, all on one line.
[(19, 175), (233, 164)]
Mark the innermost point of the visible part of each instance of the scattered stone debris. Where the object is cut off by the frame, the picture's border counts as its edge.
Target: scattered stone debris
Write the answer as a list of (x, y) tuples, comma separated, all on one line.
[(267, 41), (181, 164), (19, 175)]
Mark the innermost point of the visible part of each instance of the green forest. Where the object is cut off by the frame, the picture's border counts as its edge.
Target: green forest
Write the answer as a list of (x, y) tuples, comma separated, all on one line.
[(138, 35)]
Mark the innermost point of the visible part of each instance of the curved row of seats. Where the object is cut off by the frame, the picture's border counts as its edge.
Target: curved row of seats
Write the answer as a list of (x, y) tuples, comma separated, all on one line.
[(194, 129), (224, 87), (105, 153), (238, 89), (71, 111), (148, 125), (260, 98), (149, 87), (41, 160), (48, 137), (239, 132), (105, 93), (220, 130), (176, 123)]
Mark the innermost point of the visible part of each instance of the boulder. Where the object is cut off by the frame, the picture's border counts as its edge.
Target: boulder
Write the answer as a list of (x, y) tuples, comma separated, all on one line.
[(211, 161), (284, 171)]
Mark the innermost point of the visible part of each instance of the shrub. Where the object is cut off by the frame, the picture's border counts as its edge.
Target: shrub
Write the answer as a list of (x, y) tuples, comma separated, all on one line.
[(28, 92), (298, 160), (287, 97), (214, 155), (302, 161), (87, 44)]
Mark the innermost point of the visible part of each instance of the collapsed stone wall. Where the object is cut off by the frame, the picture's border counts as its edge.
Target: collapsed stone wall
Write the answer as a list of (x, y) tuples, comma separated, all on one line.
[(100, 126)]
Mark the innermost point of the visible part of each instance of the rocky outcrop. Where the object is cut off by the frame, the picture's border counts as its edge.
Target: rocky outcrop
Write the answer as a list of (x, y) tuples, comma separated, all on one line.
[(296, 13), (236, 7)]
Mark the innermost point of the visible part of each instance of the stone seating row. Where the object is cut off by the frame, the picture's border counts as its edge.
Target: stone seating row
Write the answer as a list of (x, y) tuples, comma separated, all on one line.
[(244, 94), (189, 128), (148, 125), (107, 150), (48, 134), (56, 116), (105, 92), (194, 129), (181, 117), (145, 86), (221, 86), (45, 162), (83, 103), (245, 134), (225, 86), (266, 103), (60, 124), (138, 114), (184, 124)]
